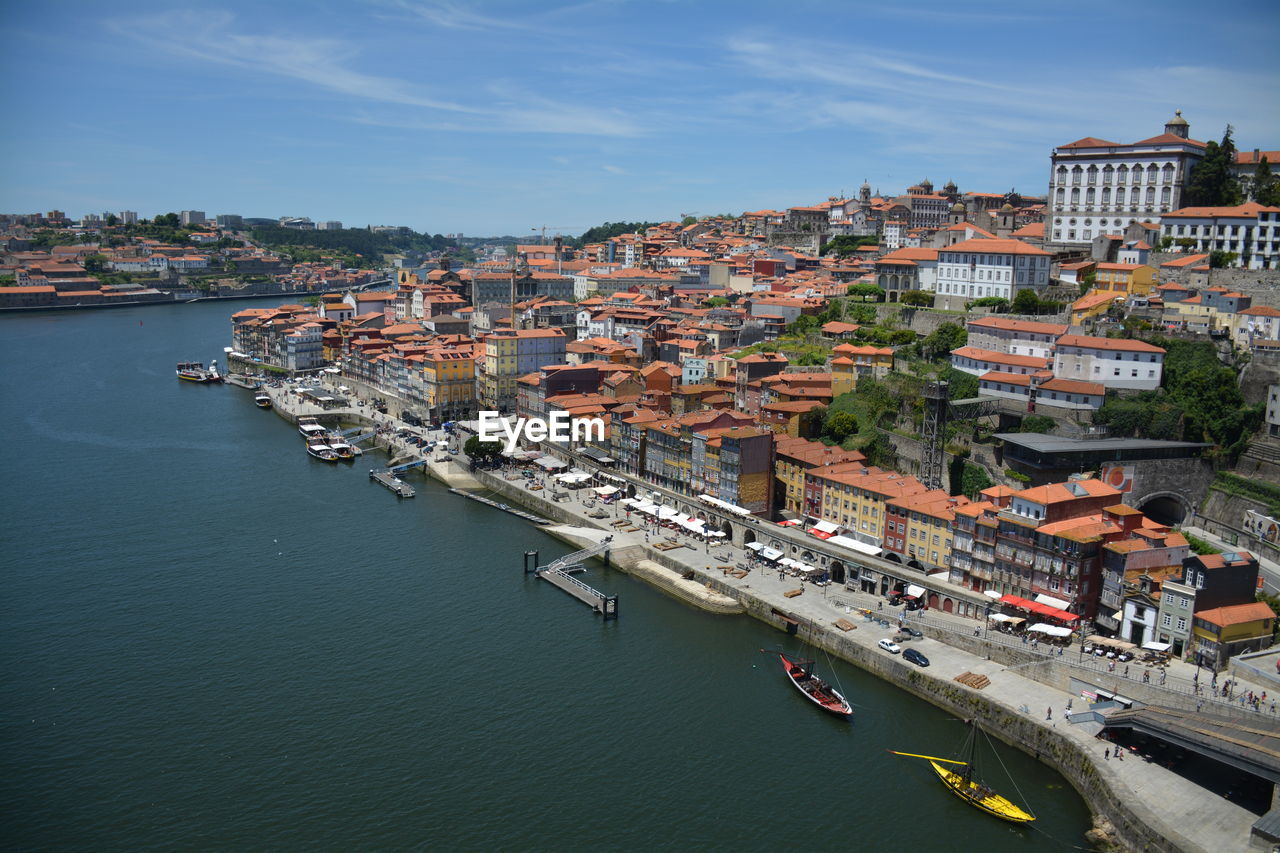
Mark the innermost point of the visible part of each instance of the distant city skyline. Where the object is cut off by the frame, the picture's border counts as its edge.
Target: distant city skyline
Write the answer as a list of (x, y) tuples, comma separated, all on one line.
[(505, 117)]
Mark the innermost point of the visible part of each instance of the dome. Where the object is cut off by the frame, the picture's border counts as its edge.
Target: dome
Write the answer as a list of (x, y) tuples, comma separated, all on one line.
[(1177, 119), (866, 185), (957, 208), (1008, 208)]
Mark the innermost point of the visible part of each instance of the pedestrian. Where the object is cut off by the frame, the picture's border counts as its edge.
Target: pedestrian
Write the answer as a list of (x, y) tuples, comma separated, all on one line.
[(1048, 714), (1126, 670), (1106, 754), (1068, 703), (1119, 754)]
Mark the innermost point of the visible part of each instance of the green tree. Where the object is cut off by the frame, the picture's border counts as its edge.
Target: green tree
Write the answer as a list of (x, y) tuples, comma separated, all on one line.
[(996, 303), (1211, 182), (716, 302), (839, 425), (688, 220), (917, 297), (944, 339), (880, 452), (95, 263), (802, 325), (169, 220), (1037, 423), (862, 314), (1166, 243), (866, 291), (112, 220), (1265, 187), (1220, 259), (846, 245), (1025, 302), (477, 449), (974, 479)]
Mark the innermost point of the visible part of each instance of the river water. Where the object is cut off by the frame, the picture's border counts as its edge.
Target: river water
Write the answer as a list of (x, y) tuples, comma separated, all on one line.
[(209, 640)]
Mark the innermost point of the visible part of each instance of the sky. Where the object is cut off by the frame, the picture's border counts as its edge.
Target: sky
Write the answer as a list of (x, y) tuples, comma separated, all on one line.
[(492, 118)]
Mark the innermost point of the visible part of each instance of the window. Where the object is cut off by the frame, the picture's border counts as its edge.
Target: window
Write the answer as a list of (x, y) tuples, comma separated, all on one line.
[(1166, 620), (1182, 623)]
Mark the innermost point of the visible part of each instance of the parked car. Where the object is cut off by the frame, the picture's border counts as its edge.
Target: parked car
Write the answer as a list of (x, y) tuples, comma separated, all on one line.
[(907, 629), (890, 646), (915, 657)]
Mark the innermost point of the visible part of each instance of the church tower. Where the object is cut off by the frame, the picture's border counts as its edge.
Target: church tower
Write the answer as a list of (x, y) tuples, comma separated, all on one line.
[(1178, 125)]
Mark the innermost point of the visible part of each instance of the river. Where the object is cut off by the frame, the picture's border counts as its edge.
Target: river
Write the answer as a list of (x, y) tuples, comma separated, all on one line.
[(209, 640)]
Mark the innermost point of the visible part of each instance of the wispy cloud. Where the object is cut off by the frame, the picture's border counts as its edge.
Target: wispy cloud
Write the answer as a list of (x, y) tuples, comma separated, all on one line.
[(328, 64)]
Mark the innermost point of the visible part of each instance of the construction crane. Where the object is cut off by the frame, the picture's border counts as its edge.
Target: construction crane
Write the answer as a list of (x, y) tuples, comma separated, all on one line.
[(683, 216), (555, 228)]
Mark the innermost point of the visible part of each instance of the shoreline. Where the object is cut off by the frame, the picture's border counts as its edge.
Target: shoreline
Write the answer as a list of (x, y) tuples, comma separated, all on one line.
[(1123, 818)]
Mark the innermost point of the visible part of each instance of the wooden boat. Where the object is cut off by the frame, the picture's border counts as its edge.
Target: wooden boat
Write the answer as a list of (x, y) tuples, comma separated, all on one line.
[(310, 428), (344, 451), (817, 691), (262, 400), (322, 451), (963, 784), (194, 371)]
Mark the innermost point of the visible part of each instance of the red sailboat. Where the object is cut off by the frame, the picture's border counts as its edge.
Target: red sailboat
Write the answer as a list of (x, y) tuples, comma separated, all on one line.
[(826, 697)]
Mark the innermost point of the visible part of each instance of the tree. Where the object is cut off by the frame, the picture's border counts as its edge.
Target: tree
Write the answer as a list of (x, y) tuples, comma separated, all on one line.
[(688, 220), (862, 314), (169, 220), (1025, 302), (717, 302), (974, 479), (917, 297), (846, 245), (1211, 182), (1166, 243), (477, 449), (866, 291), (1087, 282), (880, 452), (112, 220), (1220, 259), (996, 303), (802, 325), (944, 339), (1265, 187), (95, 263), (839, 425), (1037, 423)]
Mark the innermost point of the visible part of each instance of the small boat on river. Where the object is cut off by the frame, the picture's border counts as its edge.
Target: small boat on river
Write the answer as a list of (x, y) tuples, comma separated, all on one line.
[(194, 371), (322, 451), (310, 428), (262, 400), (344, 451), (817, 691), (962, 783)]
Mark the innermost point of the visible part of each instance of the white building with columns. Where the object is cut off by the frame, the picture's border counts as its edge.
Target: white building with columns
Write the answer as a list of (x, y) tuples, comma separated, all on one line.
[(972, 269), (1100, 187)]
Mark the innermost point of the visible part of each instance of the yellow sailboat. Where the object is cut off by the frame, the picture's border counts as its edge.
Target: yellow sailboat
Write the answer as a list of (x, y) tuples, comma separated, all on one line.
[(972, 791)]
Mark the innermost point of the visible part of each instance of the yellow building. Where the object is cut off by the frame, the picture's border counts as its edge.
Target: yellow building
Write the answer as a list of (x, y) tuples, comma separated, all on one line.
[(1126, 279), (510, 354), (852, 362), (1224, 632), (1092, 304), (918, 527), (795, 456), (449, 381)]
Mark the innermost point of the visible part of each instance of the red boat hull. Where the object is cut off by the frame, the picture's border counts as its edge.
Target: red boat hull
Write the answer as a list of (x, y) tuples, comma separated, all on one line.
[(815, 689)]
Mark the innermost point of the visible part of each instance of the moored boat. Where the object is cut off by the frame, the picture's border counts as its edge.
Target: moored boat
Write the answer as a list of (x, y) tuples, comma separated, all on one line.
[(973, 791), (322, 451), (262, 400), (310, 428), (817, 691), (194, 371), (343, 449)]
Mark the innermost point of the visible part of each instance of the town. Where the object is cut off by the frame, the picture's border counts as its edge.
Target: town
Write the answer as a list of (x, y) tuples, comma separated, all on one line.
[(1029, 397), (1051, 416)]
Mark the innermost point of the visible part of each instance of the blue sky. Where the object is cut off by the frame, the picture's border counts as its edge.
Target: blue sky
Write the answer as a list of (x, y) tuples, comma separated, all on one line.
[(501, 117)]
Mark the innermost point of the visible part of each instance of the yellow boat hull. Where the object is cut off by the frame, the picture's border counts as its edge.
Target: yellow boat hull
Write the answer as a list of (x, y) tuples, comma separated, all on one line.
[(979, 797)]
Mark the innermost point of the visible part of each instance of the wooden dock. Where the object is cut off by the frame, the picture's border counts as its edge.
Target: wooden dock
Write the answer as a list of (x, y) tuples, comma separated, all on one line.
[(392, 482), (519, 513)]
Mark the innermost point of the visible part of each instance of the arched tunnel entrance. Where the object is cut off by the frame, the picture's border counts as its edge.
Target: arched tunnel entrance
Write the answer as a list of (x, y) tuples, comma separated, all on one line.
[(1166, 508)]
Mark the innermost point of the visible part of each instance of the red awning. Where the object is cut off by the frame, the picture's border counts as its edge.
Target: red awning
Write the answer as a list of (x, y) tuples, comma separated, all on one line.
[(1036, 607)]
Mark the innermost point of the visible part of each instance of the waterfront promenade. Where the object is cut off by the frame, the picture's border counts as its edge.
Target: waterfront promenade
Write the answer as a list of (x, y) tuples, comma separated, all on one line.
[(1170, 807)]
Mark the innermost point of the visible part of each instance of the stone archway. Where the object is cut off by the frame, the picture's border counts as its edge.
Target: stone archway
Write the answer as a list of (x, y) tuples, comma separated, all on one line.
[(889, 555), (1165, 508), (748, 536), (837, 571), (933, 600), (915, 564), (948, 605)]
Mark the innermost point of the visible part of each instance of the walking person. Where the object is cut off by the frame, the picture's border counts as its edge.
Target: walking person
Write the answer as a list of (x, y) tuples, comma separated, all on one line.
[(1048, 714), (1106, 754)]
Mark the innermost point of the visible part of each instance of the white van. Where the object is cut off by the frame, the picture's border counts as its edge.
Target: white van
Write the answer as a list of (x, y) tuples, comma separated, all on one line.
[(890, 646)]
